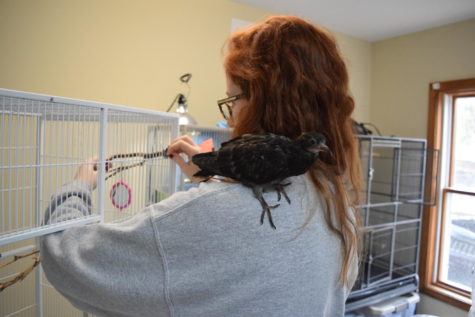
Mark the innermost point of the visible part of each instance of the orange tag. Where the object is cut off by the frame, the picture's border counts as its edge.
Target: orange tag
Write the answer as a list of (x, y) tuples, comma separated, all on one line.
[(207, 145)]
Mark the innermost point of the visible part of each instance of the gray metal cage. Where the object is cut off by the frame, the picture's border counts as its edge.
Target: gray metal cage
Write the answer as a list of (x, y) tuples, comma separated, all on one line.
[(394, 175)]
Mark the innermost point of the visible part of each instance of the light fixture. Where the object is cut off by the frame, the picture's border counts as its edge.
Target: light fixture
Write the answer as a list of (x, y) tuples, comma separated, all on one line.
[(182, 108)]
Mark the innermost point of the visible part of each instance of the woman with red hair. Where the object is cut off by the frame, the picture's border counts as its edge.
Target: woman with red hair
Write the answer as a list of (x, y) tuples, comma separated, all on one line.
[(204, 252)]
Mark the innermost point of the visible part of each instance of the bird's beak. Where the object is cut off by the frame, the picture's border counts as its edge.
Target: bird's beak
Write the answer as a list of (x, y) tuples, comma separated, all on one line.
[(322, 148)]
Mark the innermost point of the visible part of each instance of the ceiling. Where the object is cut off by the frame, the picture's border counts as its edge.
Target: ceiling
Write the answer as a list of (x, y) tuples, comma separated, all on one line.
[(373, 20)]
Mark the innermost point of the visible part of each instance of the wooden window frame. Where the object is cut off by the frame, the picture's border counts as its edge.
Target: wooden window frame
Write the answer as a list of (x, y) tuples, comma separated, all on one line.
[(429, 238)]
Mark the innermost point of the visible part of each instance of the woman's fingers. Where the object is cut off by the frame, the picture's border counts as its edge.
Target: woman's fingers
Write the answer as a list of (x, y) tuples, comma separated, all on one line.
[(87, 173), (185, 139), (179, 161), (187, 167), (95, 159), (182, 146)]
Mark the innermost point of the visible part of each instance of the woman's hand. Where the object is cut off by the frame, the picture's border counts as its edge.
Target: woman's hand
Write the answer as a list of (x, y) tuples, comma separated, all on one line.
[(88, 173), (185, 144)]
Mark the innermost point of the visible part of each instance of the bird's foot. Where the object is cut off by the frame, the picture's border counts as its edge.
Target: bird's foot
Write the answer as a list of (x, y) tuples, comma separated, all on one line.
[(280, 190), (266, 209), (269, 216), (204, 179)]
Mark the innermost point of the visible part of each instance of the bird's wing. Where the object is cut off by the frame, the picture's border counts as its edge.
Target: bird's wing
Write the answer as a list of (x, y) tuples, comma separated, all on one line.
[(259, 160), (251, 159), (207, 162), (230, 141), (245, 139)]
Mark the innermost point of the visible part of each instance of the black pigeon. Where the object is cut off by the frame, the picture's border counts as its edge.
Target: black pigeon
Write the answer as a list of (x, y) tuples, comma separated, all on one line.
[(262, 161)]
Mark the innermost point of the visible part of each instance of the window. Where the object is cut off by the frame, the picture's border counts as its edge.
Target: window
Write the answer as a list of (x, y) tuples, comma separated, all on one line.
[(448, 244)]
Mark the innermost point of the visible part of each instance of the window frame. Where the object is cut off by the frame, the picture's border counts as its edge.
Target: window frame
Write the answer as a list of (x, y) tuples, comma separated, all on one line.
[(431, 283)]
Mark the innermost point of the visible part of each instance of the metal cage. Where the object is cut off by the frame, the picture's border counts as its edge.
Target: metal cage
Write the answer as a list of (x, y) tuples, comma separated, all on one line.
[(43, 141), (393, 176)]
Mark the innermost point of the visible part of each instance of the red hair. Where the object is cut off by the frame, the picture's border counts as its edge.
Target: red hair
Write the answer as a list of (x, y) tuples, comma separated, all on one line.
[(296, 81)]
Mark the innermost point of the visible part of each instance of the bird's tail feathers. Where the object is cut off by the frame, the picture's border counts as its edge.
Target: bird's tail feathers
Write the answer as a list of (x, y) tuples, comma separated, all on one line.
[(201, 156), (204, 173), (204, 161)]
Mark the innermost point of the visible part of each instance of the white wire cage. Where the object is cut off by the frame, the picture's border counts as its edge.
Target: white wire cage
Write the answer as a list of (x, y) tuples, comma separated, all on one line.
[(43, 142)]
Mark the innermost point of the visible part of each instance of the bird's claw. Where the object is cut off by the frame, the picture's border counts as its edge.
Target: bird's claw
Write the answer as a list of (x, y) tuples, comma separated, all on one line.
[(266, 209), (280, 190)]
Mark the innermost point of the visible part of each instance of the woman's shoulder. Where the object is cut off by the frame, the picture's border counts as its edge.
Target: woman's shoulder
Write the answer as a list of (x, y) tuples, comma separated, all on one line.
[(221, 194), (206, 194)]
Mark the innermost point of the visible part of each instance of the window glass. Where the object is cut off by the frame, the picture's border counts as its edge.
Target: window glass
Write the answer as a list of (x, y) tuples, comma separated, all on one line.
[(459, 243), (464, 144)]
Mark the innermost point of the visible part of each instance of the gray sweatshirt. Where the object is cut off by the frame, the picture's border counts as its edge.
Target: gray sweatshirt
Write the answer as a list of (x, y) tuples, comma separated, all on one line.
[(202, 252)]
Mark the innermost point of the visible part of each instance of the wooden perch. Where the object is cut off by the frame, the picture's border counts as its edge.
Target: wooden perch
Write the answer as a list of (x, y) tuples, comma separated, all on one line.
[(20, 276)]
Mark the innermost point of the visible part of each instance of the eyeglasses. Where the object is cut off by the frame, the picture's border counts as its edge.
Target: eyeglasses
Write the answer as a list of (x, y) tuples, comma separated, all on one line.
[(227, 111)]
